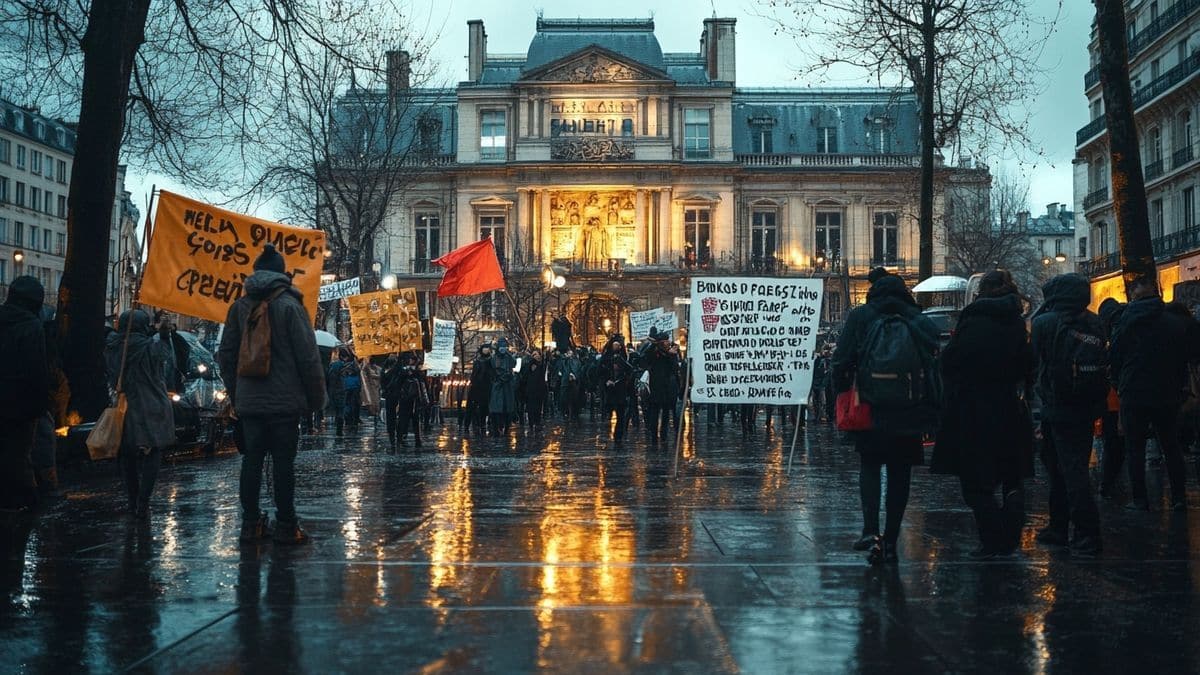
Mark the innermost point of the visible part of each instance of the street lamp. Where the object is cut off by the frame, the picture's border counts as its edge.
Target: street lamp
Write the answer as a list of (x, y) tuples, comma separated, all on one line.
[(559, 281), (388, 282), (1060, 257), (18, 256)]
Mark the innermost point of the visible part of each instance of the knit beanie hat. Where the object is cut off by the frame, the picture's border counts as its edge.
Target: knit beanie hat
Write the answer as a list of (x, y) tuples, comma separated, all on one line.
[(27, 293), (270, 260)]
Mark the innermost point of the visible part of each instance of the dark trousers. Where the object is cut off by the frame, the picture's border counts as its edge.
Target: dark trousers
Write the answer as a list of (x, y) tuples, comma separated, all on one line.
[(18, 488), (1114, 452), (353, 407), (899, 483), (621, 408), (658, 426), (748, 417), (499, 422), (1137, 421), (139, 467), (277, 437), (535, 406), (408, 416), (999, 524), (391, 407), (1066, 450)]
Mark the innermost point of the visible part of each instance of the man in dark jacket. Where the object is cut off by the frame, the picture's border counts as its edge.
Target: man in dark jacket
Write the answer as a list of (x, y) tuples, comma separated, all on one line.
[(408, 388), (270, 407), (24, 389), (1149, 355), (663, 362), (479, 392), (616, 376), (1067, 423), (534, 387)]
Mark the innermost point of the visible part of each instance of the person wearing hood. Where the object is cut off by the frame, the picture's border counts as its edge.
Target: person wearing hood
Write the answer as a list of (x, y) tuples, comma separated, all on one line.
[(24, 390), (535, 387), (896, 437), (149, 419), (503, 402), (1113, 459), (616, 376), (407, 385), (663, 362), (1067, 417), (1149, 355), (479, 392), (270, 406), (986, 435)]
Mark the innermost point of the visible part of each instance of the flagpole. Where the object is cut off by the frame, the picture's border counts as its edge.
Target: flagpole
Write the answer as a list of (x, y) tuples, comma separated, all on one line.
[(517, 314)]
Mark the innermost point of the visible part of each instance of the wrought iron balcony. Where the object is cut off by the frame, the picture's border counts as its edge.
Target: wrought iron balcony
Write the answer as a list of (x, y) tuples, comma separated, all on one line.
[(1091, 130), (1153, 170), (1100, 266), (1182, 156), (831, 160), (889, 262), (1096, 197), (1160, 26), (1176, 243), (424, 266), (765, 265), (1159, 85), (1091, 78)]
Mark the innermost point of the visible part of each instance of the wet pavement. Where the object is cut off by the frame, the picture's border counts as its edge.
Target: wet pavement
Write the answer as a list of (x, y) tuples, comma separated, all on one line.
[(562, 553)]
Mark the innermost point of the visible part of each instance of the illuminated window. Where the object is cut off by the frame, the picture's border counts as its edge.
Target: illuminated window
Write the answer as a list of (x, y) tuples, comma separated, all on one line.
[(493, 135), (697, 138)]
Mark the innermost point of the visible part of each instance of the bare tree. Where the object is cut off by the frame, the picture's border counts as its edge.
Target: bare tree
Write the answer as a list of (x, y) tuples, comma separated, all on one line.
[(982, 228), (971, 62), (182, 86), (1128, 182), (466, 313)]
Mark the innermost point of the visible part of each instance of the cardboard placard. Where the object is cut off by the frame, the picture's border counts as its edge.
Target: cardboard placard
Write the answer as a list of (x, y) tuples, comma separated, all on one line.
[(385, 322)]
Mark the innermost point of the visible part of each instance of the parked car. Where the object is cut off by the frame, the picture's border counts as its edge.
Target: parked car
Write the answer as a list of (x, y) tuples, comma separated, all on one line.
[(199, 400)]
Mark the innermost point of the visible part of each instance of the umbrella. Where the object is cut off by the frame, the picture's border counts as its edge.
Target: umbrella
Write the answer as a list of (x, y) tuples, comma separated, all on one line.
[(326, 339), (941, 284)]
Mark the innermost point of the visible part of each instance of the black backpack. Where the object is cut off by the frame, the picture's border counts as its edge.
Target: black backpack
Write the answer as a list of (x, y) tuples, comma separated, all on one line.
[(1078, 367), (894, 371)]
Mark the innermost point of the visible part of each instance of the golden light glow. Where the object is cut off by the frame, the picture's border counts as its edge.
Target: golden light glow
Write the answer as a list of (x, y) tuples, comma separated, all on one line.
[(62, 431)]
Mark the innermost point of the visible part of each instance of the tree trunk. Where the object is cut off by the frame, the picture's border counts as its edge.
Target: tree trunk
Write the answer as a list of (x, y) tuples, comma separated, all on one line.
[(928, 73), (1128, 184), (114, 34)]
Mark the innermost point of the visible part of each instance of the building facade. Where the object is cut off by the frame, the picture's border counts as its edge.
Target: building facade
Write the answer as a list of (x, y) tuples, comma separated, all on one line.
[(1163, 40), (598, 157), (36, 154)]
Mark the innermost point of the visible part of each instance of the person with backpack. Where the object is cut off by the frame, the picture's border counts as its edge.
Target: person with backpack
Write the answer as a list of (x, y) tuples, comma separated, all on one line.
[(335, 389), (273, 375), (1152, 345), (24, 390), (1072, 384), (986, 435), (352, 383), (887, 351)]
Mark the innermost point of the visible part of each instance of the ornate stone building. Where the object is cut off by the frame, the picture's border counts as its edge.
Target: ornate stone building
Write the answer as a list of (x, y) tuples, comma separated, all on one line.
[(597, 157)]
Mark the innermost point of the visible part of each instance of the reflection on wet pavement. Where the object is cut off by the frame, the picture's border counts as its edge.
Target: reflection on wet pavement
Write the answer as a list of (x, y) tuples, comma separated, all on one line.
[(564, 553)]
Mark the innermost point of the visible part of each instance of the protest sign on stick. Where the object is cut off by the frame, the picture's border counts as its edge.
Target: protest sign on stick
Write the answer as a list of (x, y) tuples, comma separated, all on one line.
[(200, 256), (752, 340), (385, 322), (440, 359), (340, 289)]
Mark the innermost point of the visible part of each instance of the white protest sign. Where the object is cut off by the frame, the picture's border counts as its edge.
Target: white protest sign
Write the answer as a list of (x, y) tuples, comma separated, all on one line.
[(439, 360), (640, 323), (752, 339), (438, 364), (340, 289)]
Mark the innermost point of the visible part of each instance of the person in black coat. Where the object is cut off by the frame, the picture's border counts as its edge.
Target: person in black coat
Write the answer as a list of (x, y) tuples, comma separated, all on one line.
[(986, 436), (1151, 347), (663, 362), (534, 388), (479, 392), (616, 381), (1114, 436), (896, 439), (24, 390), (408, 387)]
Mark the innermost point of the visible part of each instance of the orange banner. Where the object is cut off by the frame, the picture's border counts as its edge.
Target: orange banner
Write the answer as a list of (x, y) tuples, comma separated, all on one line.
[(385, 322), (200, 256)]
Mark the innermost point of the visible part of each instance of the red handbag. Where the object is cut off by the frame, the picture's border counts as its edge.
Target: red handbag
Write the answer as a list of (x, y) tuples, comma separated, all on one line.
[(853, 414)]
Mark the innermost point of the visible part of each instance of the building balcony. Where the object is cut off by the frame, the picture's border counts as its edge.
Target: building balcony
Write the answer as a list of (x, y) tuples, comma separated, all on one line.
[(1170, 18), (1091, 130), (890, 263), (1100, 266), (828, 161), (1176, 243), (424, 266), (1182, 156), (768, 265), (1091, 79), (1161, 84), (1096, 197), (1153, 170)]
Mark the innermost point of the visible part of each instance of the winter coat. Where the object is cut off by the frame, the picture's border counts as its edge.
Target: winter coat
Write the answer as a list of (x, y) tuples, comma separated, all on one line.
[(408, 386), (504, 383), (1065, 296), (149, 368), (664, 374), (570, 370), (371, 386), (480, 392), (24, 372), (295, 384), (986, 435), (615, 368), (1152, 345), (335, 387), (887, 296), (533, 381)]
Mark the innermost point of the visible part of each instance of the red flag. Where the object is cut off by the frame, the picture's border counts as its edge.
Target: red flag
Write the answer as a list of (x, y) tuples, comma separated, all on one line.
[(471, 270)]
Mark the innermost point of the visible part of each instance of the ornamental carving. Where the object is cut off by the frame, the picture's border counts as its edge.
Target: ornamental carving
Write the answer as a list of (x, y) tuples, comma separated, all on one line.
[(595, 68), (590, 150)]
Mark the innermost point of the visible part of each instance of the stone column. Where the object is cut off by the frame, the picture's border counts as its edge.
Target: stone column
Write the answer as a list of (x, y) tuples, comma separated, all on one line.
[(641, 254), (545, 254), (665, 228)]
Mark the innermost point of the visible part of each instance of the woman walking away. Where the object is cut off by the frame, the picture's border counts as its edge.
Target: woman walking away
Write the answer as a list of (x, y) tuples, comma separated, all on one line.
[(887, 352), (986, 437), (149, 419)]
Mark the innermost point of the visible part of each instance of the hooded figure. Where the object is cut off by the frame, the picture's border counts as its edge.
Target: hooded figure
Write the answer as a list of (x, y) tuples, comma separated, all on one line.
[(503, 402), (149, 418), (479, 392), (24, 389)]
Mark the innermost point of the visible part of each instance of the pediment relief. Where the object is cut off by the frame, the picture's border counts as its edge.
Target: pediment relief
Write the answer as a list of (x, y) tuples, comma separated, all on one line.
[(594, 65)]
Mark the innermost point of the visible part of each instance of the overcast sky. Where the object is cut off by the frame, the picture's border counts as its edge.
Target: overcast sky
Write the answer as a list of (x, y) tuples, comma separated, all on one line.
[(764, 59)]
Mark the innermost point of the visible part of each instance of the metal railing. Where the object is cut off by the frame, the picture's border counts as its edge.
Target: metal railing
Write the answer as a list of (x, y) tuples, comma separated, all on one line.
[(829, 160), (1095, 197), (1153, 170), (1091, 78), (1160, 26), (1182, 156), (1090, 130), (765, 265), (424, 266), (1170, 245), (889, 262), (1099, 266), (1161, 84)]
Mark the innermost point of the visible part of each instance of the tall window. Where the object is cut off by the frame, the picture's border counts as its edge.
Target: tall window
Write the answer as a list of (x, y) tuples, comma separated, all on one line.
[(827, 140), (884, 238), (1098, 178), (764, 142), (4, 231), (34, 230), (3, 271), (697, 234), (1156, 218), (696, 135), (61, 175), (3, 190), (763, 239), (18, 233), (1097, 109), (492, 225), (60, 244), (1100, 240), (1155, 69), (493, 135), (1155, 142), (1189, 208), (20, 193), (1183, 136), (829, 235), (47, 238), (62, 206), (881, 139), (48, 203), (20, 156), (35, 161), (35, 198), (1083, 247), (429, 240), (5, 151)]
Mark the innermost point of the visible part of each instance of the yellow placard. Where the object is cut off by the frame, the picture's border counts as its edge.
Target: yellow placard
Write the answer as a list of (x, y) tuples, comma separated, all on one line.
[(200, 256), (385, 322)]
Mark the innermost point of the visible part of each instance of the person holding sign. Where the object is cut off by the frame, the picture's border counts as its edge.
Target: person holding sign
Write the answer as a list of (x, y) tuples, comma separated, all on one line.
[(273, 375), (887, 353)]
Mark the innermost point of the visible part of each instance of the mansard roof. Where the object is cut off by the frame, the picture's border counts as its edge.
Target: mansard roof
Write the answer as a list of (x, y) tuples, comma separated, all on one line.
[(594, 63), (558, 38)]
